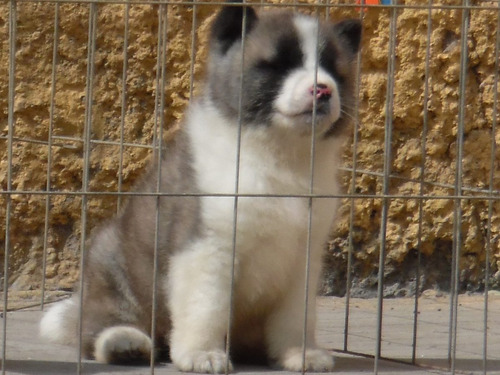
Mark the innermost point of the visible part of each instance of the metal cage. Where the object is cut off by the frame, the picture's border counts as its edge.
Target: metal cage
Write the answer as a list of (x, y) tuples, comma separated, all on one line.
[(65, 167)]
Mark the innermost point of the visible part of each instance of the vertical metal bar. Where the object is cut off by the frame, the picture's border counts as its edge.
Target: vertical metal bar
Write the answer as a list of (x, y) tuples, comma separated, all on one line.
[(493, 163), (49, 151), (310, 200), (425, 126), (123, 102), (91, 45), (159, 125), (350, 251), (386, 182), (457, 244), (308, 262), (157, 85), (193, 52), (236, 188), (327, 10), (8, 199)]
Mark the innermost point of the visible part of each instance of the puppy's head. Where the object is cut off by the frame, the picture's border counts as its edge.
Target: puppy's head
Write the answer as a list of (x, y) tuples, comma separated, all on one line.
[(283, 69)]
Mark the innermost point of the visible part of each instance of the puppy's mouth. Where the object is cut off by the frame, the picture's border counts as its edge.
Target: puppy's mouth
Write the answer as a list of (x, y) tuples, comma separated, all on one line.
[(308, 112), (321, 110), (319, 113)]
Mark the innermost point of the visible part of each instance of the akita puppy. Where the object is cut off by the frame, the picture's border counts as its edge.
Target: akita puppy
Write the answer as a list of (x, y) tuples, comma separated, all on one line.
[(263, 138)]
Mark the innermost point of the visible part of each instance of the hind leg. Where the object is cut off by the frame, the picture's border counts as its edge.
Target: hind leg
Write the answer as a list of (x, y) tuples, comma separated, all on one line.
[(114, 335), (122, 344)]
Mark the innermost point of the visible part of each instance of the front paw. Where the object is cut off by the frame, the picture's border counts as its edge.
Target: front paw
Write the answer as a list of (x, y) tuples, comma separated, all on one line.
[(316, 360), (212, 361)]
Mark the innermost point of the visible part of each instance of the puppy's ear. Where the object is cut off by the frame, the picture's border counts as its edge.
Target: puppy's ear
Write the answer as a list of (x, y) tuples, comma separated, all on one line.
[(349, 31), (229, 24)]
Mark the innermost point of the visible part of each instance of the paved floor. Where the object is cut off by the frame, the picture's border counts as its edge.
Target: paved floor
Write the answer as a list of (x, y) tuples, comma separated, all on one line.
[(26, 354)]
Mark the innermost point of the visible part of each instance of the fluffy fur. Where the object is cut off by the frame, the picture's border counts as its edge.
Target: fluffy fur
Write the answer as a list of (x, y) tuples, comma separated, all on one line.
[(283, 107)]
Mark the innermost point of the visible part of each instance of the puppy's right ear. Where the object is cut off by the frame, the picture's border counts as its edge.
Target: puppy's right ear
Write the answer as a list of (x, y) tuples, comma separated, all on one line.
[(349, 32), (229, 24)]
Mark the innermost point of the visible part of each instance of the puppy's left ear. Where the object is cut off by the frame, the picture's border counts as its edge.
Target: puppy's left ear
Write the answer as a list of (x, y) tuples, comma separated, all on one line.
[(349, 32), (228, 26)]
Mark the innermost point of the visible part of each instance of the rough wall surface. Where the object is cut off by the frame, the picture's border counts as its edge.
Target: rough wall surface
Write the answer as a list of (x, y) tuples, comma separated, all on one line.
[(417, 154)]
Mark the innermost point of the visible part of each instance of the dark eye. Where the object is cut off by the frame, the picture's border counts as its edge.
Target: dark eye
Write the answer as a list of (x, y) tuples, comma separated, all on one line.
[(328, 61), (287, 56), (269, 65)]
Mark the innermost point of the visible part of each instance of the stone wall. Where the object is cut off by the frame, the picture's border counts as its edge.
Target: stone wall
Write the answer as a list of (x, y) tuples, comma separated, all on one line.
[(34, 51)]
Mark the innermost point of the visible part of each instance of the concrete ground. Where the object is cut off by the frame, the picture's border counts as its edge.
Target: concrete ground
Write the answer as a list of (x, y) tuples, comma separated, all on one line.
[(27, 354)]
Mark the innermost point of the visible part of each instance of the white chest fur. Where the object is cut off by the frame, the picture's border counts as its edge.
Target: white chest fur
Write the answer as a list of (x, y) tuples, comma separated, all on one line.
[(275, 165)]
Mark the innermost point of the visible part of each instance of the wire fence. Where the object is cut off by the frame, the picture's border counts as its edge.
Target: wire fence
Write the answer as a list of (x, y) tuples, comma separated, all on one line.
[(89, 93)]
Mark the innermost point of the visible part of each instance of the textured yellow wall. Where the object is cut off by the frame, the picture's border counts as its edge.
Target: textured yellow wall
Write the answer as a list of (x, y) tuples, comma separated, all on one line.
[(34, 44)]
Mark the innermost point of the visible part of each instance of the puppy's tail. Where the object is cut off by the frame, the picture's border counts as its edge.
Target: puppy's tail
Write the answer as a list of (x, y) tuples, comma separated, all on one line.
[(60, 323)]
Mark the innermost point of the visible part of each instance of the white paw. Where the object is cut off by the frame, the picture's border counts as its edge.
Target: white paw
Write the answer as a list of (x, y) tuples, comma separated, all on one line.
[(213, 361), (122, 344), (316, 360)]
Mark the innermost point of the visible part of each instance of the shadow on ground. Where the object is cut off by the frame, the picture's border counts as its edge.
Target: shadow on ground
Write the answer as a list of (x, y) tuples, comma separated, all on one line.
[(55, 368), (344, 365)]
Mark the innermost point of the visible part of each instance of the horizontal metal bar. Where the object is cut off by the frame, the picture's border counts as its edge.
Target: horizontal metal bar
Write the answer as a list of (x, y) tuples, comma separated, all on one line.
[(148, 146), (418, 181), (298, 5), (76, 139), (253, 195)]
